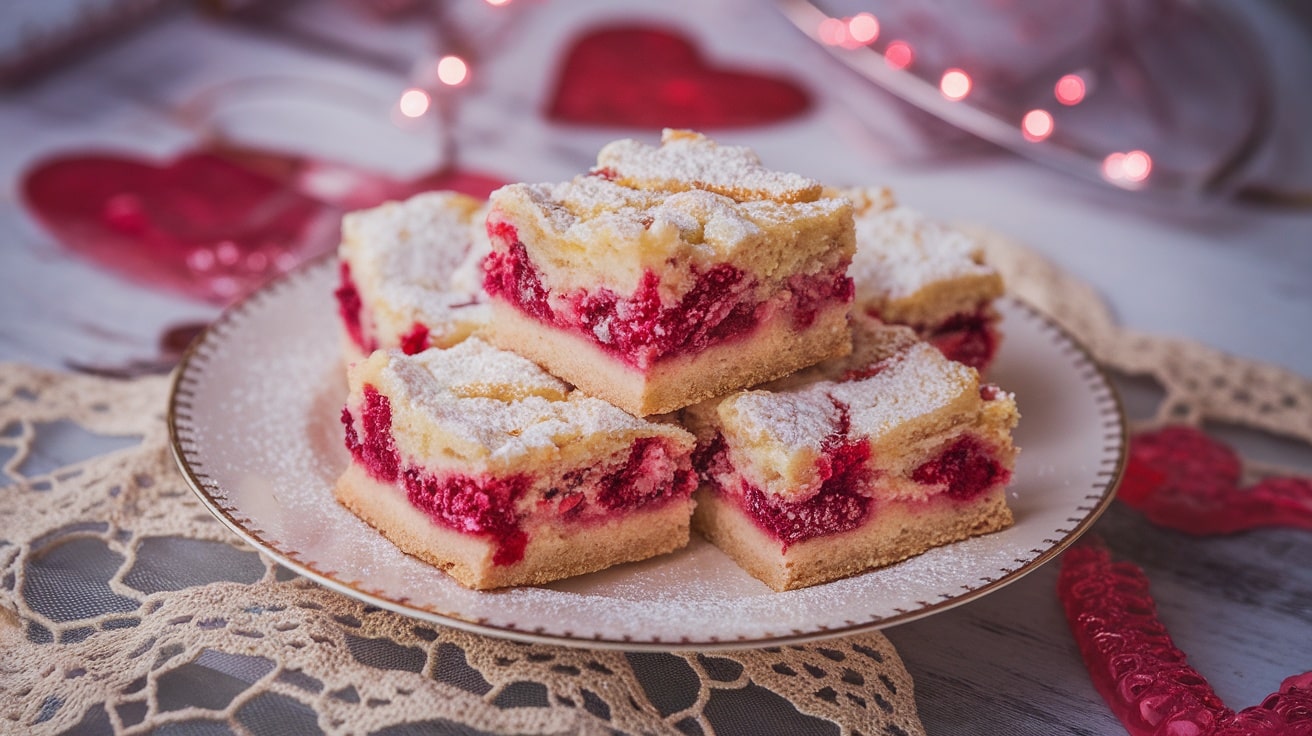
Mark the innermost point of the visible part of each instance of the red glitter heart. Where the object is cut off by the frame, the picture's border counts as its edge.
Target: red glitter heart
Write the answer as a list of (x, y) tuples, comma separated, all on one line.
[(199, 225), (643, 77), (346, 186), (1182, 479), (212, 224), (1141, 674)]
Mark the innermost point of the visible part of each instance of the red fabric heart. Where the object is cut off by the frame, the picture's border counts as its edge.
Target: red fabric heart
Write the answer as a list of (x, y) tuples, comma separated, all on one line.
[(643, 77), (211, 224), (1141, 674), (1181, 478), (199, 225)]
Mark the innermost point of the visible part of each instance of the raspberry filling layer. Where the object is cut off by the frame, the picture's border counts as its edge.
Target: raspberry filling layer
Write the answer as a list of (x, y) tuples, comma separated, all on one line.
[(641, 329), (970, 337), (964, 470), (838, 506), (416, 340), (488, 505), (350, 307)]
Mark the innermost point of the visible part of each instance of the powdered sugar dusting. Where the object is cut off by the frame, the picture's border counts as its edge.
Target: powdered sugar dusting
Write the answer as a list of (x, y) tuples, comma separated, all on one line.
[(789, 420), (589, 209), (687, 160), (499, 403), (420, 258), (914, 384), (418, 242), (900, 251)]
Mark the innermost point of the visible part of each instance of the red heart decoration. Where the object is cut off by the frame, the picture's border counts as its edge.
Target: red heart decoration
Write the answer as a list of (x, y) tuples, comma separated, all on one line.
[(1139, 671), (1181, 478), (643, 77), (346, 186), (200, 224), (211, 224)]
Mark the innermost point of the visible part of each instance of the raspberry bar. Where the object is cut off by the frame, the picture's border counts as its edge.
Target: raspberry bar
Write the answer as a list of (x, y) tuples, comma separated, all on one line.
[(670, 274), (400, 267), (857, 464), (477, 461), (914, 271)]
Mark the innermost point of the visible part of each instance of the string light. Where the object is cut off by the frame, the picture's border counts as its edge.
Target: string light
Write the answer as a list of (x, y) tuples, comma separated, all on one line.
[(1127, 169), (863, 28), (833, 32), (452, 71), (414, 102), (899, 55), (1036, 125), (1070, 89), (955, 84), (1138, 165)]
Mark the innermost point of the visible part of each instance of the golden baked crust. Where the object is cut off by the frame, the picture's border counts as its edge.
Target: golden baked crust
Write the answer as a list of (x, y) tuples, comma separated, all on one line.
[(688, 160), (555, 551), (900, 530), (591, 232)]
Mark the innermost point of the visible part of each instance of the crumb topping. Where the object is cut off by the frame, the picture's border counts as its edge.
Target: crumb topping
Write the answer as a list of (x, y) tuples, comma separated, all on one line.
[(901, 251), (416, 261), (687, 160), (913, 383), (591, 231), (416, 243), (493, 407), (903, 406)]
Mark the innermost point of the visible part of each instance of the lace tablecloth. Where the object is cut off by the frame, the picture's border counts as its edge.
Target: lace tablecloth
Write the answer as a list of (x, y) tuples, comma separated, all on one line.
[(125, 607)]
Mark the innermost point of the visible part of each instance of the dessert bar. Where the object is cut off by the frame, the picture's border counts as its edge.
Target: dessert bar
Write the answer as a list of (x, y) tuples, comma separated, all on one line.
[(670, 274), (915, 271), (477, 461), (855, 464)]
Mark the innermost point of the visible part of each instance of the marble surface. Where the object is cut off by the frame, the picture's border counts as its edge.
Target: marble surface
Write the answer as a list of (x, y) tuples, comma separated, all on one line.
[(1238, 278)]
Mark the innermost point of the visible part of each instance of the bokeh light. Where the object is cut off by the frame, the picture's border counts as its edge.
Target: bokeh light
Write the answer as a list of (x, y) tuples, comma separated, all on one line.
[(833, 32), (1127, 169), (452, 71), (414, 102), (1036, 125), (899, 55), (863, 28), (1070, 89), (955, 84), (1138, 165)]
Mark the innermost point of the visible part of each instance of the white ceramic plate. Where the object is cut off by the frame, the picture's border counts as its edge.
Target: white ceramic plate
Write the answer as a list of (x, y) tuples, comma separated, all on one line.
[(254, 417)]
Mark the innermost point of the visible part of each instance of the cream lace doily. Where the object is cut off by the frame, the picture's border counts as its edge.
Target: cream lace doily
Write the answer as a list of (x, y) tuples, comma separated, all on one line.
[(1200, 384), (126, 607)]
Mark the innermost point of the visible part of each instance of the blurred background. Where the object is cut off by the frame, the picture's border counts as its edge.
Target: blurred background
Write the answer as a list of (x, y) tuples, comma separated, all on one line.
[(183, 152)]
